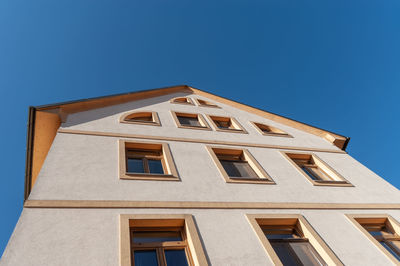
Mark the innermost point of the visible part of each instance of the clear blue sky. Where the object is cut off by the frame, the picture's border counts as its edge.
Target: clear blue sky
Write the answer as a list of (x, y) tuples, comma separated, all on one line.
[(332, 64)]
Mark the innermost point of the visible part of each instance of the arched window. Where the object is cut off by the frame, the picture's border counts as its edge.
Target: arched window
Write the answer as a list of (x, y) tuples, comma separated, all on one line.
[(143, 118), (182, 100), (270, 130)]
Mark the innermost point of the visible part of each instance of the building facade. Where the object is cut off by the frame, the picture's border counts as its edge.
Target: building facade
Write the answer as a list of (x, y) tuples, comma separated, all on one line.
[(179, 176)]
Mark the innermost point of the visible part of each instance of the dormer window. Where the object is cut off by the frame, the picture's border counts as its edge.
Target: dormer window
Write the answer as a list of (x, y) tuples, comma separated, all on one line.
[(269, 130), (188, 120), (182, 100), (206, 103), (227, 124), (144, 118)]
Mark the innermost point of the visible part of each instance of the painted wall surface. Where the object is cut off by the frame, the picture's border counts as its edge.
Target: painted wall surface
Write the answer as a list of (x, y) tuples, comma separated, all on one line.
[(107, 120), (81, 167), (91, 236)]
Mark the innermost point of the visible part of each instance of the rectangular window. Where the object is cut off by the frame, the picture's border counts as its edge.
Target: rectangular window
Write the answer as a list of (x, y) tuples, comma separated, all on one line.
[(290, 240), (315, 170), (227, 124), (160, 240), (383, 230), (146, 161), (192, 121), (238, 166)]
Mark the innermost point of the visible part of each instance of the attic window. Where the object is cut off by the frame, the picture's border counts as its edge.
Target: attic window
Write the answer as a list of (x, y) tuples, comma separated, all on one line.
[(315, 170), (227, 124), (144, 118), (182, 100), (206, 103), (188, 120), (269, 130)]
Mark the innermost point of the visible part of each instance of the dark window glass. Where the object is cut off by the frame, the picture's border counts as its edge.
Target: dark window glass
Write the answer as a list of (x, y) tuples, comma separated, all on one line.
[(392, 248), (224, 124), (142, 118), (238, 169), (176, 257), (145, 258), (135, 165), (285, 254), (310, 173), (189, 121), (155, 166), (156, 236)]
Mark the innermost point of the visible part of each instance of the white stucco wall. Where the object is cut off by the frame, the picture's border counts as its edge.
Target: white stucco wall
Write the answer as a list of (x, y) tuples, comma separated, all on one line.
[(85, 167), (91, 236), (81, 167)]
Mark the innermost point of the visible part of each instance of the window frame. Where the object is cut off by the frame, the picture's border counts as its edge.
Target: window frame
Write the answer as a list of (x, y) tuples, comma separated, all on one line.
[(263, 176), (323, 250), (189, 101), (155, 119), (209, 104), (200, 118), (272, 133), (184, 221), (238, 128), (170, 172), (336, 178), (376, 218)]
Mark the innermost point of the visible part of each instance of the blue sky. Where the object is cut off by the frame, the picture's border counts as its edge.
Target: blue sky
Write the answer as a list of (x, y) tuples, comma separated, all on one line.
[(332, 64)]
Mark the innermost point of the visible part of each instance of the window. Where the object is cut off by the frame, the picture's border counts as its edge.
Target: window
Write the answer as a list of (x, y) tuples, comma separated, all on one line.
[(383, 230), (204, 103), (146, 161), (315, 170), (144, 118), (227, 124), (160, 240), (238, 166), (182, 100), (269, 130), (290, 240), (192, 121)]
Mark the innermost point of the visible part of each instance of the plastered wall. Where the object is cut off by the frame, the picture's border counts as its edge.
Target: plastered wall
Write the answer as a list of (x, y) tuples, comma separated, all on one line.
[(91, 236)]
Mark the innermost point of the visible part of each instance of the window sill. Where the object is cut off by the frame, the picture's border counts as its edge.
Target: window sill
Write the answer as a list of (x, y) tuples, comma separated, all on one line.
[(150, 177), (142, 123), (231, 130), (250, 181), (331, 183), (194, 127)]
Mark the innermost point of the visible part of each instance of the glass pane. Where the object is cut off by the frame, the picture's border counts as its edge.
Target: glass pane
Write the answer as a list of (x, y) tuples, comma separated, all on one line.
[(310, 173), (145, 258), (238, 169), (223, 124), (393, 247), (285, 254), (142, 118), (176, 257), (155, 166), (135, 165), (280, 233), (189, 121), (156, 236), (306, 253)]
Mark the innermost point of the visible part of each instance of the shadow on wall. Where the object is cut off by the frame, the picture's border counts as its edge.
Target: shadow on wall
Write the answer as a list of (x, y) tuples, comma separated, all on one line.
[(95, 114)]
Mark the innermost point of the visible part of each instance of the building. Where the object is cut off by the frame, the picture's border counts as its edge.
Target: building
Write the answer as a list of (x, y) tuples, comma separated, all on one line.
[(180, 176)]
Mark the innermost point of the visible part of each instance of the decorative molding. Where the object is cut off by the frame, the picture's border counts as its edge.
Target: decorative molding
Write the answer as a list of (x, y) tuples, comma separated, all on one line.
[(120, 204), (230, 143)]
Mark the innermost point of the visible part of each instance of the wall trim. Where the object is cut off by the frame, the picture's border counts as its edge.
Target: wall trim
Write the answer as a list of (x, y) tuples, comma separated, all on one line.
[(120, 204), (230, 143)]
